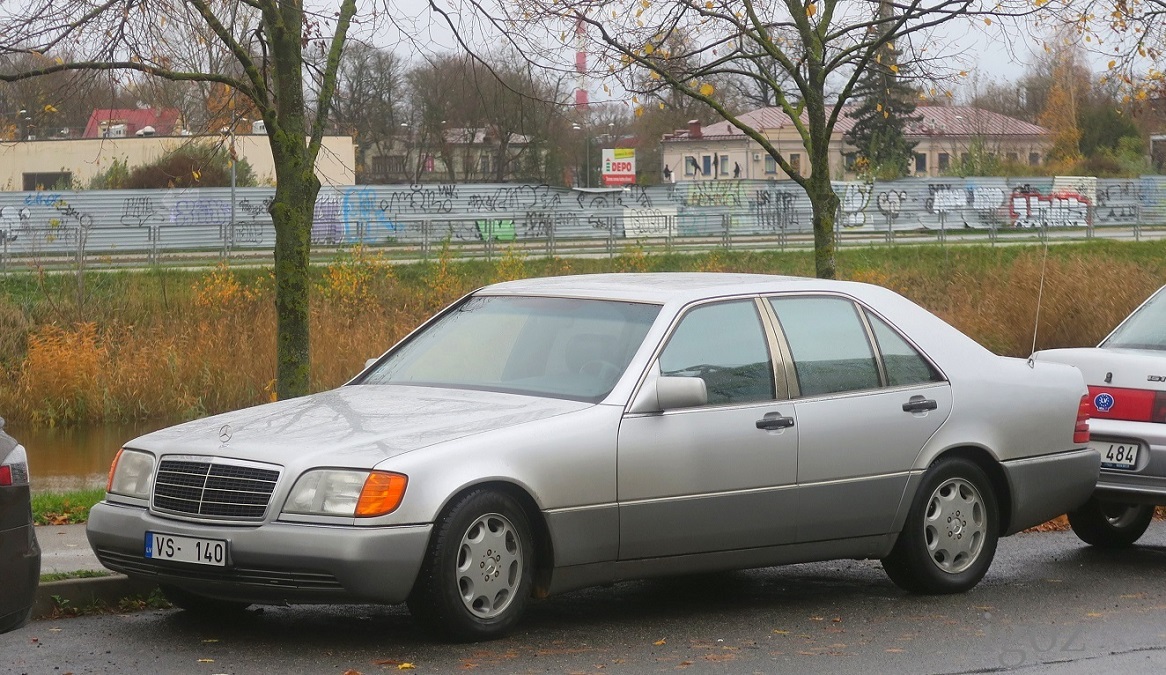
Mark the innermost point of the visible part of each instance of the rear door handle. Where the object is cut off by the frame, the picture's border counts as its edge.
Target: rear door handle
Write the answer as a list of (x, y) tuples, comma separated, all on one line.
[(919, 404), (774, 421)]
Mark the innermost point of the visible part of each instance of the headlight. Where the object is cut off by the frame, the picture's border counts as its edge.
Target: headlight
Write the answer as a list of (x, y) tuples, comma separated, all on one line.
[(341, 492), (132, 474)]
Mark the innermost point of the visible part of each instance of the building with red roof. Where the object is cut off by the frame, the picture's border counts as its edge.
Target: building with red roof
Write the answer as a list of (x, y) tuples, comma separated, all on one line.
[(943, 136), (125, 122)]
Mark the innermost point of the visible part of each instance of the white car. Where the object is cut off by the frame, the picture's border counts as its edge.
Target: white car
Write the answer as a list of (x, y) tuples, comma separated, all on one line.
[(548, 434), (1126, 375)]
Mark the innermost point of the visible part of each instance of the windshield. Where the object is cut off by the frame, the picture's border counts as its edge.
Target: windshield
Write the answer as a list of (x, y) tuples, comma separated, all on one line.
[(1144, 329), (557, 347)]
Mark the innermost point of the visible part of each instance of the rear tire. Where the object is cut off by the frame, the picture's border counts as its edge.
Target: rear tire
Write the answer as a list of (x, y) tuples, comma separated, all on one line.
[(949, 539), (201, 605), (476, 578), (1110, 524)]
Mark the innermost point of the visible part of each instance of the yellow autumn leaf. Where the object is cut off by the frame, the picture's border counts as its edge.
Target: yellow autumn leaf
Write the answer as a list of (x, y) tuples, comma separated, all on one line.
[(886, 114), (708, 5), (196, 174), (811, 10), (639, 111), (406, 666), (879, 107), (606, 89), (649, 48), (987, 22), (49, 108), (1112, 64), (963, 73), (894, 68), (707, 89), (635, 99), (660, 642)]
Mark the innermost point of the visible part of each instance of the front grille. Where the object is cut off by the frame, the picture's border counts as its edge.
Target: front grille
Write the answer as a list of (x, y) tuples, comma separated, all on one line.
[(252, 577), (213, 489)]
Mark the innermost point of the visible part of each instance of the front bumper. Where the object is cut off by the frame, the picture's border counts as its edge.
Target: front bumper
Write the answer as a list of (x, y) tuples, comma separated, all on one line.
[(1047, 486), (1146, 483), (269, 563)]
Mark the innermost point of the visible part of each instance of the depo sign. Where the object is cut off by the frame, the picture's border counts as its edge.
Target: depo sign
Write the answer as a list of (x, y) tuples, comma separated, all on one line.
[(619, 166)]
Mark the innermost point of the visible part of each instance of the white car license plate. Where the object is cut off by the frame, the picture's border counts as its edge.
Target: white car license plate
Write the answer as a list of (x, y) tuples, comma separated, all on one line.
[(1117, 455), (186, 549)]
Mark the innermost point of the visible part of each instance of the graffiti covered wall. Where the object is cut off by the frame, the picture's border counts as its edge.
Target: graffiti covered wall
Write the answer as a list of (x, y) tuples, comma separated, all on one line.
[(217, 218)]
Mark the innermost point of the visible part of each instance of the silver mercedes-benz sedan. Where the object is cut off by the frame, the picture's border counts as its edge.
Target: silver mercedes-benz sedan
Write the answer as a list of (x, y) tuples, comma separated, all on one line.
[(548, 434)]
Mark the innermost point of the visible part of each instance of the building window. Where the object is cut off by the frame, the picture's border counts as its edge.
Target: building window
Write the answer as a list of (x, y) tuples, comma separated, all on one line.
[(429, 163), (944, 161), (690, 167), (724, 165), (1034, 159), (706, 165), (848, 160), (54, 180), (795, 162), (770, 164), (484, 165), (1011, 157), (395, 163), (920, 163)]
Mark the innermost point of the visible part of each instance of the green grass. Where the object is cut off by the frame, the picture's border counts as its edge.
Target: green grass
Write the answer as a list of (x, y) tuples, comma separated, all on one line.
[(64, 508), (79, 574)]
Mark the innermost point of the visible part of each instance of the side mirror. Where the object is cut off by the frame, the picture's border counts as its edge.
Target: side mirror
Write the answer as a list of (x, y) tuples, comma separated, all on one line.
[(681, 392)]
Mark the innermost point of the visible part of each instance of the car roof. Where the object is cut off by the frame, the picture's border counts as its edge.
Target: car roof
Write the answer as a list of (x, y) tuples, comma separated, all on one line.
[(664, 287)]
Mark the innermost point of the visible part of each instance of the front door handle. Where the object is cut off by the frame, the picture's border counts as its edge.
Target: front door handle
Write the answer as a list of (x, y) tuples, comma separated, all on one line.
[(774, 421), (919, 404)]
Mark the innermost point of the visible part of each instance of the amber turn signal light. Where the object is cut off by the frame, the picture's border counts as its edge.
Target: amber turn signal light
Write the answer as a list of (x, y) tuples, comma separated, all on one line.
[(382, 493)]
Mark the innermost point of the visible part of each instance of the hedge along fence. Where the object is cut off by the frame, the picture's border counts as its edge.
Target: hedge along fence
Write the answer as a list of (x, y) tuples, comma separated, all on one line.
[(90, 225)]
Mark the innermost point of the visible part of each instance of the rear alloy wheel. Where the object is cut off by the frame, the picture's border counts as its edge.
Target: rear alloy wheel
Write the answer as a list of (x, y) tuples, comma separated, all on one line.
[(949, 539), (476, 578), (1110, 524), (201, 605)]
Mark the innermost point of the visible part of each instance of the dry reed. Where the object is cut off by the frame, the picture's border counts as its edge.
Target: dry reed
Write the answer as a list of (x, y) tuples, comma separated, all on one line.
[(180, 345)]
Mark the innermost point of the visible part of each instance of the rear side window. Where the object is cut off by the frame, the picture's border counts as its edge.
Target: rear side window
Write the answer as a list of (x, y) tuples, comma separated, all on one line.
[(829, 344), (903, 364), (723, 344)]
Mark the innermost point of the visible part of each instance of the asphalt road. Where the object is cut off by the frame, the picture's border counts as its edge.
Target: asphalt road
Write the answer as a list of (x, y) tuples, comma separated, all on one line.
[(1048, 605)]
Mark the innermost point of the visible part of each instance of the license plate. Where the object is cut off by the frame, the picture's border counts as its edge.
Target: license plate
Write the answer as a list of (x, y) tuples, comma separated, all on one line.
[(1117, 455), (186, 549)]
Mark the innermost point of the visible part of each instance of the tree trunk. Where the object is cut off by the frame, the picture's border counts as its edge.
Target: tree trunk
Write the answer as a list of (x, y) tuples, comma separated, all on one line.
[(825, 204), (291, 213)]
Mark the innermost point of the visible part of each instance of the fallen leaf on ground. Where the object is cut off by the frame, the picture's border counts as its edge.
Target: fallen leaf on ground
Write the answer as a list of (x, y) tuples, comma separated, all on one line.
[(660, 642)]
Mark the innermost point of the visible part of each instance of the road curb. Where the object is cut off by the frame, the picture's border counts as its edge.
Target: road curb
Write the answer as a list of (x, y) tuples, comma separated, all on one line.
[(52, 596)]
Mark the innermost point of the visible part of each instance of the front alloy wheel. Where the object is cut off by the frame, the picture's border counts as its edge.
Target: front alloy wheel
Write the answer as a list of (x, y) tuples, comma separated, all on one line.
[(476, 578), (949, 539)]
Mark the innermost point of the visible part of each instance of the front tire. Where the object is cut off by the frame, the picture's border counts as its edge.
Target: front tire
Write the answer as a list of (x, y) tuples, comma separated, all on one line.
[(476, 578), (949, 539), (1110, 524)]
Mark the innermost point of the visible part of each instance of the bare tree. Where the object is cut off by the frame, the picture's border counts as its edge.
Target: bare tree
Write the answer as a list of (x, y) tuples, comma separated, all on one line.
[(265, 50), (370, 100), (819, 47)]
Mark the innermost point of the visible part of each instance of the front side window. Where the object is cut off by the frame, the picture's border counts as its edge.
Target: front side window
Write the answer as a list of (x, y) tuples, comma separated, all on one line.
[(829, 344), (556, 347), (723, 344)]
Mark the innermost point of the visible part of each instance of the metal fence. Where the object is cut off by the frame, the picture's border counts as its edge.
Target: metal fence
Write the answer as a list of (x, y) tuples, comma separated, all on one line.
[(149, 225)]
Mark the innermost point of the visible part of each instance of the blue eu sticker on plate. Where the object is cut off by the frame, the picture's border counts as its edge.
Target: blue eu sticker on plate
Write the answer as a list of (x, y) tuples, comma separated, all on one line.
[(1103, 402)]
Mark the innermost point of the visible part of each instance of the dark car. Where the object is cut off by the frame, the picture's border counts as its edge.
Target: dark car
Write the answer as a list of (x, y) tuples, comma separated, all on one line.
[(19, 552)]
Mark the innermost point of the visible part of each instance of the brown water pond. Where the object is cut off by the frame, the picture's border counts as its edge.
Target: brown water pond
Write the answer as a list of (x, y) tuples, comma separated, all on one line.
[(70, 458)]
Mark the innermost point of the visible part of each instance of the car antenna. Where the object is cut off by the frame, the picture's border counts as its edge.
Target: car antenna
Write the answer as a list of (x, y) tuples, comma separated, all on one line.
[(1039, 294)]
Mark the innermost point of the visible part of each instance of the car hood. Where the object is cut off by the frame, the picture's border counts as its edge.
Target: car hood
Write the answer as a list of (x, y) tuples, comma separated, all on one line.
[(1121, 368), (355, 425)]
